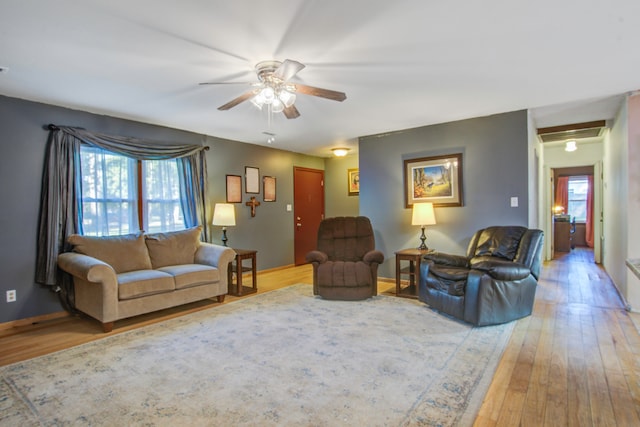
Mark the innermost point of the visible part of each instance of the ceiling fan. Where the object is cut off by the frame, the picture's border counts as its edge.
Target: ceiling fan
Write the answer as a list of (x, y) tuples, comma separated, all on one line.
[(275, 91)]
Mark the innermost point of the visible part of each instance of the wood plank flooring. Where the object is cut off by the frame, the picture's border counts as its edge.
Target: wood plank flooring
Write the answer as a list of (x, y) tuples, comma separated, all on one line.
[(574, 362)]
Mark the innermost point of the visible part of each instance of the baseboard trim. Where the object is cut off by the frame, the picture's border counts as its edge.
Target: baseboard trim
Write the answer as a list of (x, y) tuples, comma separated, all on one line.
[(33, 320)]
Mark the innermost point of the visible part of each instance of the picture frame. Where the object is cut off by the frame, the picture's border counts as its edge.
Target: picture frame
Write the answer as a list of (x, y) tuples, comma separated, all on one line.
[(353, 182), (269, 188), (436, 179), (234, 189), (251, 180)]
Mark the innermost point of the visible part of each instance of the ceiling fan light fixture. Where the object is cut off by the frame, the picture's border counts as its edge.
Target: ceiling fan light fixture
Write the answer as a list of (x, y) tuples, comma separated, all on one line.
[(268, 94), (277, 106), (287, 98)]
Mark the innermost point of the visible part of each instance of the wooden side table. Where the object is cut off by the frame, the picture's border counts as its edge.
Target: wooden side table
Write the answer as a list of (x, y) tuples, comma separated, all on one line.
[(238, 267), (412, 271)]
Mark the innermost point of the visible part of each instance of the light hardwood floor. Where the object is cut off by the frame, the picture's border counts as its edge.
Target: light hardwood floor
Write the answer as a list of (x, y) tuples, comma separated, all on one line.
[(575, 361)]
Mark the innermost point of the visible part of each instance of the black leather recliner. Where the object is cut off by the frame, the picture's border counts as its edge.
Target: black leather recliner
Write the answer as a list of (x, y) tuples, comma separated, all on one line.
[(494, 283)]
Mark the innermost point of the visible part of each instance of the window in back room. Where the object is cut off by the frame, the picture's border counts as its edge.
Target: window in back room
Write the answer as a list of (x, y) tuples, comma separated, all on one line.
[(578, 188)]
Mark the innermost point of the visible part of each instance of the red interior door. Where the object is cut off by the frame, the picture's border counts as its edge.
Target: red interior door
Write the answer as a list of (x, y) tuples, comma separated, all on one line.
[(308, 210)]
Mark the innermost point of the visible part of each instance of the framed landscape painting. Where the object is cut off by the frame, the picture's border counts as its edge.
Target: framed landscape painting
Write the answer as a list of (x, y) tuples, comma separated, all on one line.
[(435, 179), (353, 182)]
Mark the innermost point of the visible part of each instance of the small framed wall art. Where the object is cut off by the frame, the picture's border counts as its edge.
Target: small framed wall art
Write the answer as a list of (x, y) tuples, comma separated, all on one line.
[(353, 182), (251, 180), (435, 179), (269, 188), (234, 189)]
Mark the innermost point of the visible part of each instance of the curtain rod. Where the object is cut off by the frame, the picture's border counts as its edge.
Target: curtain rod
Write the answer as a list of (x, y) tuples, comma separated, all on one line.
[(51, 126)]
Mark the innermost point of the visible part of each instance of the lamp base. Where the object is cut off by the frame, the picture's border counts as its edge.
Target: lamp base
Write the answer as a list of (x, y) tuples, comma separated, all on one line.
[(224, 236), (423, 237)]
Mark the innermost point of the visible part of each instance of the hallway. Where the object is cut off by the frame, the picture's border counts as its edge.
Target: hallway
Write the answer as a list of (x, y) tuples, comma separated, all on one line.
[(575, 361)]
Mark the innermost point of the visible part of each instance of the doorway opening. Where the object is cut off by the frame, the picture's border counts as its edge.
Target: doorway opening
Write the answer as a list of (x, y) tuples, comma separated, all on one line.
[(573, 211)]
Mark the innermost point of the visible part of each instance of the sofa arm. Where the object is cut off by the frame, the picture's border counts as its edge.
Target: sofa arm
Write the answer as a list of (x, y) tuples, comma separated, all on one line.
[(86, 268), (317, 256), (374, 256), (95, 285), (214, 255)]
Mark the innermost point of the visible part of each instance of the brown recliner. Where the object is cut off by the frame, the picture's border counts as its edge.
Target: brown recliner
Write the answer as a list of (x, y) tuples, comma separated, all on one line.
[(345, 264), (494, 283)]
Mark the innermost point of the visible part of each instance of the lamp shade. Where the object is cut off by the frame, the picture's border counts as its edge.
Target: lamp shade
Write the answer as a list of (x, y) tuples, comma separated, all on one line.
[(423, 214), (224, 214)]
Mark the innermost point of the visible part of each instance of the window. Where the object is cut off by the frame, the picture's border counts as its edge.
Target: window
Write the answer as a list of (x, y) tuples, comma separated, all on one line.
[(578, 190), (116, 199)]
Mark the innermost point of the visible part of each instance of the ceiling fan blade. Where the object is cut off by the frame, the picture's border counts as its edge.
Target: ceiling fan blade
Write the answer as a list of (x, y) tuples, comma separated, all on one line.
[(291, 112), (288, 69), (226, 83), (247, 95), (323, 93)]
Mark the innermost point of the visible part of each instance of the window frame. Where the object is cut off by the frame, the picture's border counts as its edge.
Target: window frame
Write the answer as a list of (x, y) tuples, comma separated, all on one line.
[(139, 192), (572, 201)]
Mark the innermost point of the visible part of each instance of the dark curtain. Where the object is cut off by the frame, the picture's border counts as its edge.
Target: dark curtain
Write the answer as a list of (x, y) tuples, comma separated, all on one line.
[(60, 213)]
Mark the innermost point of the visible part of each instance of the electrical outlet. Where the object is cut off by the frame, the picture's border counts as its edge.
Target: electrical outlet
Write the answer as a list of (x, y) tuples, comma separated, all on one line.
[(11, 295)]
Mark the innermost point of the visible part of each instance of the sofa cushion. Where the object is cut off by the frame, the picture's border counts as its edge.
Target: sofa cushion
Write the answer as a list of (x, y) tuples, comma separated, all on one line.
[(122, 253), (173, 248), (134, 284), (188, 275)]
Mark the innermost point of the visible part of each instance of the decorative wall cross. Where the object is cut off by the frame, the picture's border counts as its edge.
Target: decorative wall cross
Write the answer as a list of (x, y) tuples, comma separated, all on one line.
[(253, 203)]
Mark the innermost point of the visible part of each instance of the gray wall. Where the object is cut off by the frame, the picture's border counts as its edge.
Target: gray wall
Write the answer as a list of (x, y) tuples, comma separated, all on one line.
[(22, 148), (494, 151), (270, 232), (337, 199)]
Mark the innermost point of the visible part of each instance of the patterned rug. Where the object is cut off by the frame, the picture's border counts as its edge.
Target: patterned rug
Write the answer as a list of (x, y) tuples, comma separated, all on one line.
[(282, 358)]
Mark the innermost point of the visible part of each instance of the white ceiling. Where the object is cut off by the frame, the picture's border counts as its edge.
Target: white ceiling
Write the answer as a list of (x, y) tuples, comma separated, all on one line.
[(402, 63)]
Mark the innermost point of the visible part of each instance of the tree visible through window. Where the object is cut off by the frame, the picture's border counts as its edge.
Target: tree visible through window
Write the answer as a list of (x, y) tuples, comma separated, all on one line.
[(578, 190), (116, 199)]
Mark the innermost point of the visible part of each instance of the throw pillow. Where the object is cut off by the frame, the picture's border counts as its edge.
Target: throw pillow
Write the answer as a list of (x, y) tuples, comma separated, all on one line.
[(173, 248), (122, 253)]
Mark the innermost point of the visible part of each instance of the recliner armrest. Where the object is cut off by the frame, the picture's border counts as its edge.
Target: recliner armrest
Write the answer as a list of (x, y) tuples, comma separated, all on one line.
[(502, 270), (317, 256), (374, 256), (447, 259)]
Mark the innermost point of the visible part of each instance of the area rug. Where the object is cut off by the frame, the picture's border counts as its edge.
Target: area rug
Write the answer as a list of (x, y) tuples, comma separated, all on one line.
[(282, 358)]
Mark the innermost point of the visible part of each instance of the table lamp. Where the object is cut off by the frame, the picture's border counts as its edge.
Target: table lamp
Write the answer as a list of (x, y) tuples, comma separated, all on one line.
[(423, 215), (224, 214)]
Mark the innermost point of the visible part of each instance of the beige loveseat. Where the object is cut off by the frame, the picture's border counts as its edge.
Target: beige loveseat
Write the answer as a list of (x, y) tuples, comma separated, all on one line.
[(116, 277)]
